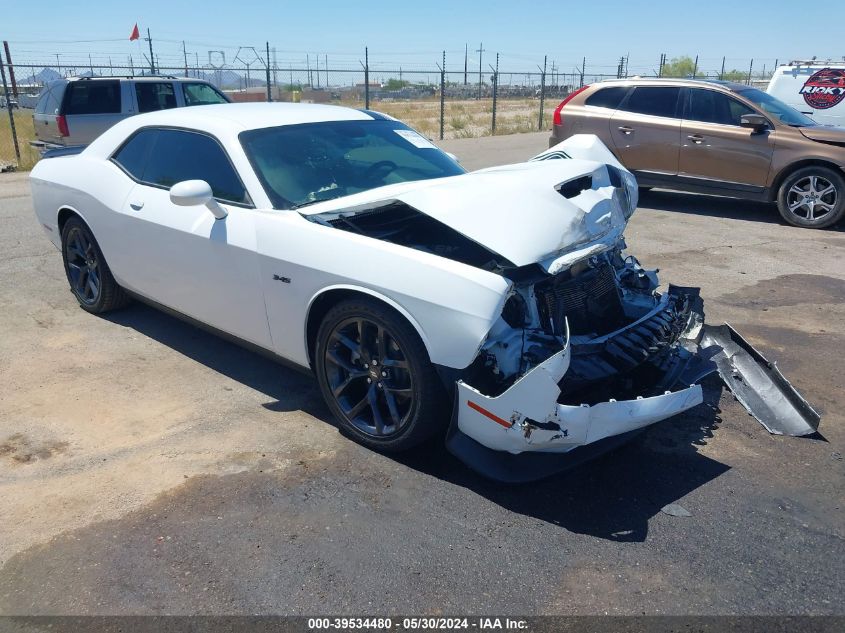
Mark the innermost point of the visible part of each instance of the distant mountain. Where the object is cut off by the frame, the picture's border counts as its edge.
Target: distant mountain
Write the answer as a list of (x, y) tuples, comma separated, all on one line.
[(43, 76)]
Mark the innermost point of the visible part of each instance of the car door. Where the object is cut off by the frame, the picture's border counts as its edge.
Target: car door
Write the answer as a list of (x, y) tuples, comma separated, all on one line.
[(715, 147), (646, 130), (182, 257)]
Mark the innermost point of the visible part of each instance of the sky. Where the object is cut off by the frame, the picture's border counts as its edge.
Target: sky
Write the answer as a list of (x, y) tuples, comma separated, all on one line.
[(413, 35)]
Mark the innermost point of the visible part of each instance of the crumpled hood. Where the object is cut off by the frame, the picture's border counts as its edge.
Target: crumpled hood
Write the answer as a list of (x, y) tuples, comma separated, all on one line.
[(513, 210), (825, 134)]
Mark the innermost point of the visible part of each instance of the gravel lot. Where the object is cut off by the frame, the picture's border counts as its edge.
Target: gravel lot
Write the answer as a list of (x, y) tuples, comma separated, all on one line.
[(149, 467)]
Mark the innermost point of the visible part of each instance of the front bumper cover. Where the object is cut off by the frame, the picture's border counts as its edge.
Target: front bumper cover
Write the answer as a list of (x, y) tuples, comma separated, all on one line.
[(526, 432)]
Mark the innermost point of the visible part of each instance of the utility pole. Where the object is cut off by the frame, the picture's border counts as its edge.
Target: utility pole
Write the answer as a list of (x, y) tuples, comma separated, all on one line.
[(495, 94), (12, 69), (58, 64), (152, 57), (480, 52), (722, 74), (750, 69), (308, 69), (583, 69), (267, 78), (9, 110), (326, 66), (366, 78), (466, 55), (695, 68), (90, 65), (185, 57), (442, 93), (542, 92)]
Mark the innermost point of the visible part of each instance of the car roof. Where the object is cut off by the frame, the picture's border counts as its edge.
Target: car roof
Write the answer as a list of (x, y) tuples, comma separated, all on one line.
[(249, 116), (132, 78), (674, 81)]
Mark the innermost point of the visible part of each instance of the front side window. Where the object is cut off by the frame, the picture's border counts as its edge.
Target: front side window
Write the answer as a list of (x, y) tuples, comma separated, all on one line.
[(311, 162), (653, 100), (709, 106), (92, 97), (201, 94), (163, 157), (154, 95), (776, 108)]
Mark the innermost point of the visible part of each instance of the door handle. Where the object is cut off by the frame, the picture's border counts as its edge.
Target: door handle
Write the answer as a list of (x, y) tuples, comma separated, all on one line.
[(137, 205), (696, 138), (627, 131)]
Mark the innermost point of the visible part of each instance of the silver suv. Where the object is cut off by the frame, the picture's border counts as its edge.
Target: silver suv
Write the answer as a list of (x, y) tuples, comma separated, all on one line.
[(76, 110)]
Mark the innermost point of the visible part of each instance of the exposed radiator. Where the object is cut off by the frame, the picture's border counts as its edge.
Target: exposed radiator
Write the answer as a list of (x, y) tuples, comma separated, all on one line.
[(591, 302)]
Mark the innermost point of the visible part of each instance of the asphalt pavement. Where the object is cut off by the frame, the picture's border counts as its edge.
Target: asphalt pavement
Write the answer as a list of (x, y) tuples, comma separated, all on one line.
[(149, 467)]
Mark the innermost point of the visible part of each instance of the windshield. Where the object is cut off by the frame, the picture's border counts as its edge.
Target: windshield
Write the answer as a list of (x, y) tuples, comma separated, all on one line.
[(312, 162), (777, 108)]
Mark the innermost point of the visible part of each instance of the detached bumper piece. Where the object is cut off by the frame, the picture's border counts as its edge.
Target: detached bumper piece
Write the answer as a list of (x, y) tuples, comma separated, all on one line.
[(758, 384)]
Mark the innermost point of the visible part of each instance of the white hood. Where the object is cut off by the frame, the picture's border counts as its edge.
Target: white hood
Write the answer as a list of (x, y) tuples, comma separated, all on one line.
[(513, 210)]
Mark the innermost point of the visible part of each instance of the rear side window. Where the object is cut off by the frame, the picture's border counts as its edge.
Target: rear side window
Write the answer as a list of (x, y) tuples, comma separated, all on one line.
[(607, 97), (154, 95), (710, 106), (92, 97), (653, 100), (201, 94), (179, 155), (135, 152)]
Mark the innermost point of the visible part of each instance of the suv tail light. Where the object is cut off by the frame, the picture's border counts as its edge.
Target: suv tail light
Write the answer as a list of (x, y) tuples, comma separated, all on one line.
[(557, 119), (61, 122)]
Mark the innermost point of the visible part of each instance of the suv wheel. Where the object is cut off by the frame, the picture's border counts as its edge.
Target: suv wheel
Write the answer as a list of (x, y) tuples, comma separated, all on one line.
[(812, 197)]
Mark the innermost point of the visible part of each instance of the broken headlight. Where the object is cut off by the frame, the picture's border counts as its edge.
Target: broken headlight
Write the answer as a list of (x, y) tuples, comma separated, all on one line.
[(515, 312)]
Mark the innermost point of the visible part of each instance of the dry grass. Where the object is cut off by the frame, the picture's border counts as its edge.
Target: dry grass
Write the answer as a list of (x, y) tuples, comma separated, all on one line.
[(465, 119), (25, 133)]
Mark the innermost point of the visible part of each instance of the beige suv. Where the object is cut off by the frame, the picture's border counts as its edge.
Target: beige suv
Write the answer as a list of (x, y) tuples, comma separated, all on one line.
[(715, 137)]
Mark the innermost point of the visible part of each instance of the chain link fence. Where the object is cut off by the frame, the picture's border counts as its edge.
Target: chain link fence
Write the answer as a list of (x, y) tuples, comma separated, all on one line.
[(440, 102)]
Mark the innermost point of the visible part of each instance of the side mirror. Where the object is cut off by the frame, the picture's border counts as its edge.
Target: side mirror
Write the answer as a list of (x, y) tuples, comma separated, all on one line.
[(191, 193), (756, 122)]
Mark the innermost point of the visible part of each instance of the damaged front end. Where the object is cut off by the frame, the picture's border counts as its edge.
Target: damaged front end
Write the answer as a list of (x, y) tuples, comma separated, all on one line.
[(582, 360), (564, 344)]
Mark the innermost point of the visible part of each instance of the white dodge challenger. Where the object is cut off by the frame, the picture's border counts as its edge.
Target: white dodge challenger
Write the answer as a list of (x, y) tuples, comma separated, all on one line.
[(496, 308)]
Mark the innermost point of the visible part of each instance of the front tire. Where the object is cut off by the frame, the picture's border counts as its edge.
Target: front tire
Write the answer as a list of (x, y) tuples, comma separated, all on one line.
[(376, 377), (88, 274), (812, 197)]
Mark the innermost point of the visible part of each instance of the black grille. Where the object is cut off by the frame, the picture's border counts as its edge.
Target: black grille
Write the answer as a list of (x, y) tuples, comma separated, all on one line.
[(591, 302)]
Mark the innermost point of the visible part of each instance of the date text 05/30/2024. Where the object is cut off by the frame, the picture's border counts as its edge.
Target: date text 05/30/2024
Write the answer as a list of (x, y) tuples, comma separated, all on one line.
[(413, 624)]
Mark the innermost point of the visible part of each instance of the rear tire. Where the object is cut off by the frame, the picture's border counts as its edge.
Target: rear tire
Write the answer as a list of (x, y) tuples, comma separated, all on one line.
[(812, 197), (88, 274), (375, 374)]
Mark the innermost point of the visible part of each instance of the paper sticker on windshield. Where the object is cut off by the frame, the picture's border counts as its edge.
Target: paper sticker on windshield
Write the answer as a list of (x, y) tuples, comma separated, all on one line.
[(415, 139)]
